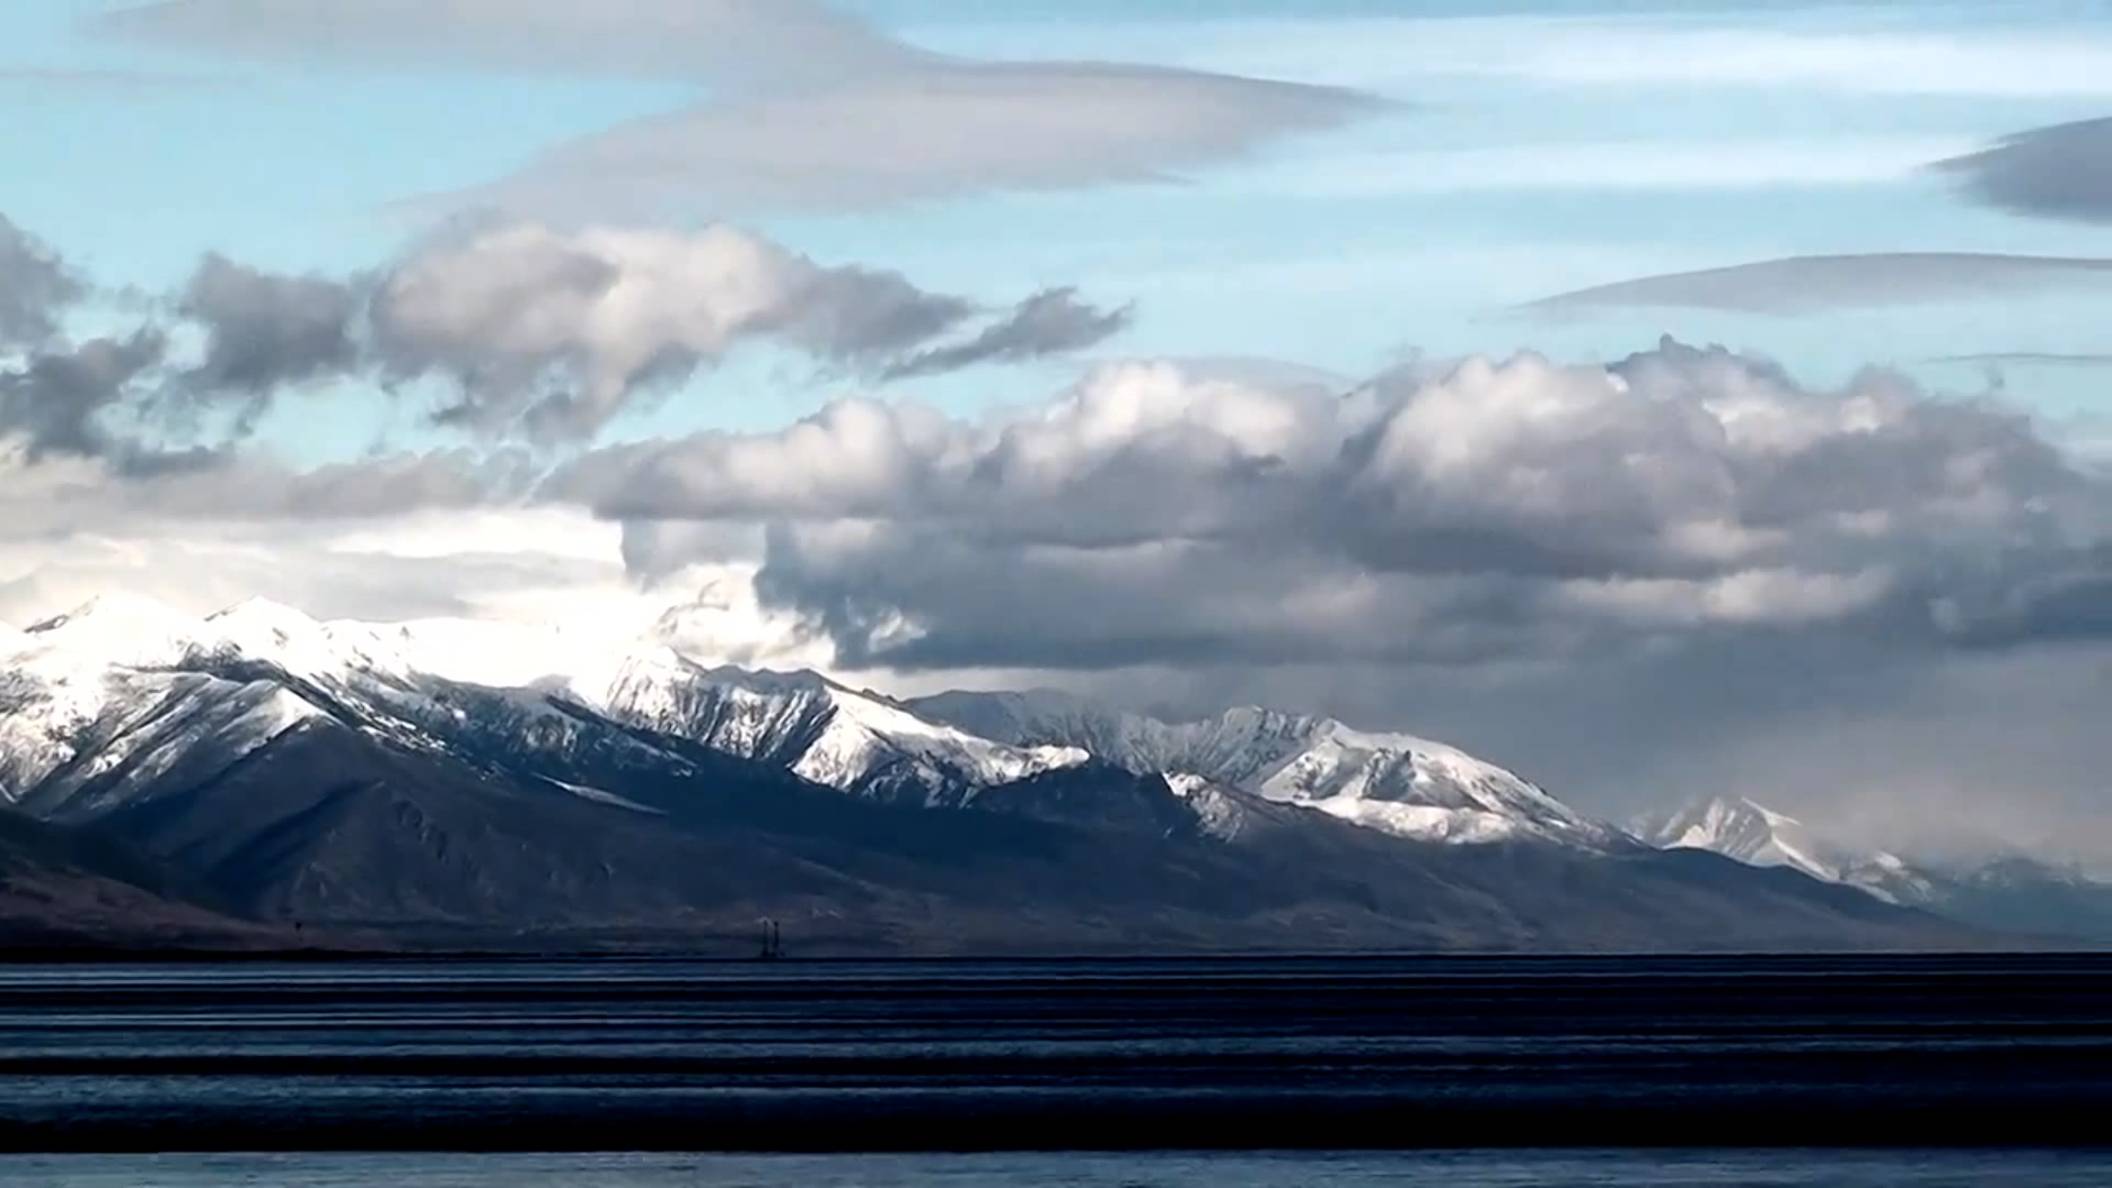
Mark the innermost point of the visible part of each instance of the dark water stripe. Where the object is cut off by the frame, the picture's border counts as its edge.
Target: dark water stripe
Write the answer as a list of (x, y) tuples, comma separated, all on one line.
[(1371, 1054), (597, 1119)]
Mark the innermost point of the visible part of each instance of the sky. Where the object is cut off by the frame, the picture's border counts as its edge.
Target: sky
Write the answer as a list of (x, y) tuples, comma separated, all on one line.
[(1662, 400)]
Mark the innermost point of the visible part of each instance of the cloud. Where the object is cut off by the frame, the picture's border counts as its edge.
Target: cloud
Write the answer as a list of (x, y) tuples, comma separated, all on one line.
[(336, 568), (559, 332), (1609, 165), (904, 136), (541, 334), (2071, 601), (2062, 172), (264, 331), (705, 40), (808, 109), (34, 286), (47, 494), (1050, 322), (1815, 284), (1502, 509), (58, 400), (2044, 358), (1655, 50)]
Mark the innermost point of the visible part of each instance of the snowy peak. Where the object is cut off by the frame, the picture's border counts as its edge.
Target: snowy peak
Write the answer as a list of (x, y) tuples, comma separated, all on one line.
[(1739, 828), (818, 729), (129, 632), (263, 627), (122, 689), (1757, 835), (114, 629)]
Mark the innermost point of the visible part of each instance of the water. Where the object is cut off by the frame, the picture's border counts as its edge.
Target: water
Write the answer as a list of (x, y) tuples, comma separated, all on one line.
[(1793, 1169), (1277, 1066)]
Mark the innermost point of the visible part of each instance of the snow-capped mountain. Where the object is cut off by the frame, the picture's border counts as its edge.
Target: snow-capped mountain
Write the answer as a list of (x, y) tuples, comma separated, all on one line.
[(124, 687), (1397, 783), (116, 692), (359, 775)]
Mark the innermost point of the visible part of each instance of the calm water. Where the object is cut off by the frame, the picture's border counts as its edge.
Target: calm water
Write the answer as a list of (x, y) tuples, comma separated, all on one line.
[(1321, 1056), (1463, 1170)]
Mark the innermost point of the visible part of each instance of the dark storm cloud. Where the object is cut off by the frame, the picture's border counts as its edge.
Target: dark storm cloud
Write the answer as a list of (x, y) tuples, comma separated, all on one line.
[(1815, 284), (2062, 172), (1051, 322), (2068, 600)]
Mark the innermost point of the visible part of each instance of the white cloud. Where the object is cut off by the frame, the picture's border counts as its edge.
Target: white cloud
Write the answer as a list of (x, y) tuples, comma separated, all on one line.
[(563, 329), (495, 595), (553, 334)]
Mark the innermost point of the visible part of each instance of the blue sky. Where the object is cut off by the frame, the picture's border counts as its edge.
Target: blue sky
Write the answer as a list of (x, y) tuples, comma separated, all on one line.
[(1534, 148)]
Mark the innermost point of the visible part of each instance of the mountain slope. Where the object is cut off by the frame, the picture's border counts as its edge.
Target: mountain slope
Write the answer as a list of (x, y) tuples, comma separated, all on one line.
[(68, 889)]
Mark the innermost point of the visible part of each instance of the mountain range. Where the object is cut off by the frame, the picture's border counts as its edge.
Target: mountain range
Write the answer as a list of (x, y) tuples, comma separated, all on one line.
[(2014, 894), (225, 780)]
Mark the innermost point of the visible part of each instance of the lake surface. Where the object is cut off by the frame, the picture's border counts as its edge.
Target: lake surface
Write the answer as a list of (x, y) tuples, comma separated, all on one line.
[(1791, 1169), (1253, 1055)]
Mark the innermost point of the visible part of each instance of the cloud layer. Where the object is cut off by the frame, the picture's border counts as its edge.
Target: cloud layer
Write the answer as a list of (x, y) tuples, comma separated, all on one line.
[(1504, 509)]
